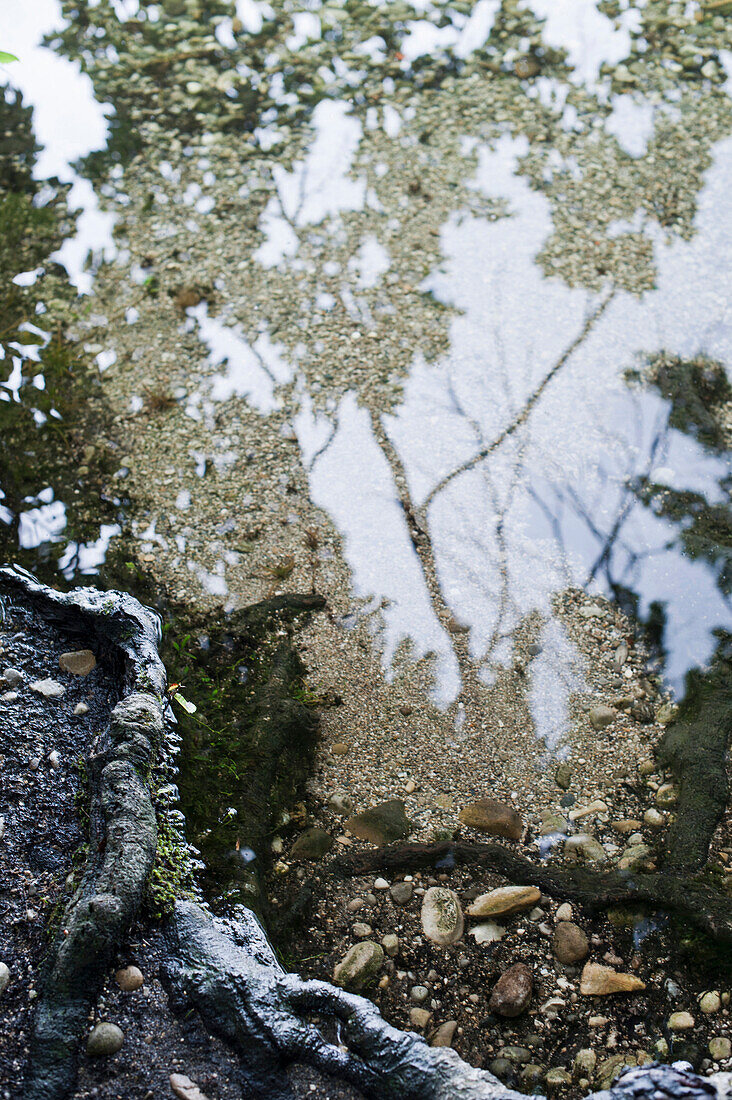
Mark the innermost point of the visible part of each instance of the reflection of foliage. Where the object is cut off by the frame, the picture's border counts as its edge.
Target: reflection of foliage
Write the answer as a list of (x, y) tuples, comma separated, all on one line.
[(45, 429), (697, 389)]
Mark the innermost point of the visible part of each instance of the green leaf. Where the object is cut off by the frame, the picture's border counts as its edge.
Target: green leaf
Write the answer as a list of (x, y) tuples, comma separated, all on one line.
[(7, 57), (189, 708)]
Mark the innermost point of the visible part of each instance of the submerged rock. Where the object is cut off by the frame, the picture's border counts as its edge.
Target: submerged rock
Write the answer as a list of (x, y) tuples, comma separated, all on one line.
[(496, 818), (360, 966), (602, 716), (184, 1088), (313, 843), (382, 823), (49, 689), (129, 978), (442, 915)]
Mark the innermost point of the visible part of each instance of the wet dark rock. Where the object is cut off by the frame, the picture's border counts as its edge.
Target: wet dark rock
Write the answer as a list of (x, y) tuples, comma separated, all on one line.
[(401, 893), (382, 823), (314, 843), (512, 992)]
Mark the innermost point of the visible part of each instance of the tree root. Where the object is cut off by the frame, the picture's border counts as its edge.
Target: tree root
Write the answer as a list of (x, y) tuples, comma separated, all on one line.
[(228, 972), (698, 904), (123, 832)]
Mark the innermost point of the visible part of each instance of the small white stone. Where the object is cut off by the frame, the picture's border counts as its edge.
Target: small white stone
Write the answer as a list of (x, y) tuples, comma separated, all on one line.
[(81, 709), (564, 912), (54, 760), (381, 884), (49, 689), (4, 977)]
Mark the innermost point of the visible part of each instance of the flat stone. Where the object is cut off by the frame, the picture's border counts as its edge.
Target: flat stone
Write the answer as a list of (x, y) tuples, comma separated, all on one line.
[(129, 978), (504, 901), (570, 943), (104, 1040), (401, 893), (610, 1067), (359, 966), (518, 1055), (557, 1078), (602, 716), (444, 1034), (512, 992), (4, 977), (341, 748), (313, 843), (361, 930), (496, 818), (601, 981), (382, 823), (184, 1088), (79, 662), (442, 915), (487, 932), (49, 689), (584, 1063)]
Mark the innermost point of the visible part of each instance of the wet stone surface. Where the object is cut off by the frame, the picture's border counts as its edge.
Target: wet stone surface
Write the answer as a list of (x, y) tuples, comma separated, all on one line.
[(42, 804)]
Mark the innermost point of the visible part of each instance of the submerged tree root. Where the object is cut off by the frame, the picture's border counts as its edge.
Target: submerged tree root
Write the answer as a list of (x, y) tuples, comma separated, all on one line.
[(228, 972), (123, 832), (705, 909)]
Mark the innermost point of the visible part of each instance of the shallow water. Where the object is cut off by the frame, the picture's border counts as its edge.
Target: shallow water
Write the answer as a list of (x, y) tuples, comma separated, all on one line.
[(477, 442)]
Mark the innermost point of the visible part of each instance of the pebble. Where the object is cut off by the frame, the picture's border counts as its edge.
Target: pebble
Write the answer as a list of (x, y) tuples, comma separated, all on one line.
[(654, 818), (419, 993), (359, 966), (667, 795), (390, 943), (585, 847), (584, 1063), (355, 904), (11, 678), (563, 776), (401, 893), (81, 709), (341, 803), (570, 943), (504, 901), (442, 915), (361, 930), (564, 912), (420, 1017), (495, 818), (340, 748), (4, 977), (600, 981), (9, 696), (80, 662), (381, 884), (602, 716), (54, 760), (710, 1002), (558, 1078), (592, 611), (49, 689), (184, 1088), (129, 978), (512, 992), (444, 1034), (720, 1048), (680, 1021), (104, 1040)]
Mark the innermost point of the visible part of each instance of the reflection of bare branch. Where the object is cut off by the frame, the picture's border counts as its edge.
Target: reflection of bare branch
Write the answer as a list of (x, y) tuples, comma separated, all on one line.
[(522, 416), (425, 552)]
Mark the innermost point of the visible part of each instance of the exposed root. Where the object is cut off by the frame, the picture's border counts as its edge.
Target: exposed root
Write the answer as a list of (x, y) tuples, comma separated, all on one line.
[(699, 905)]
